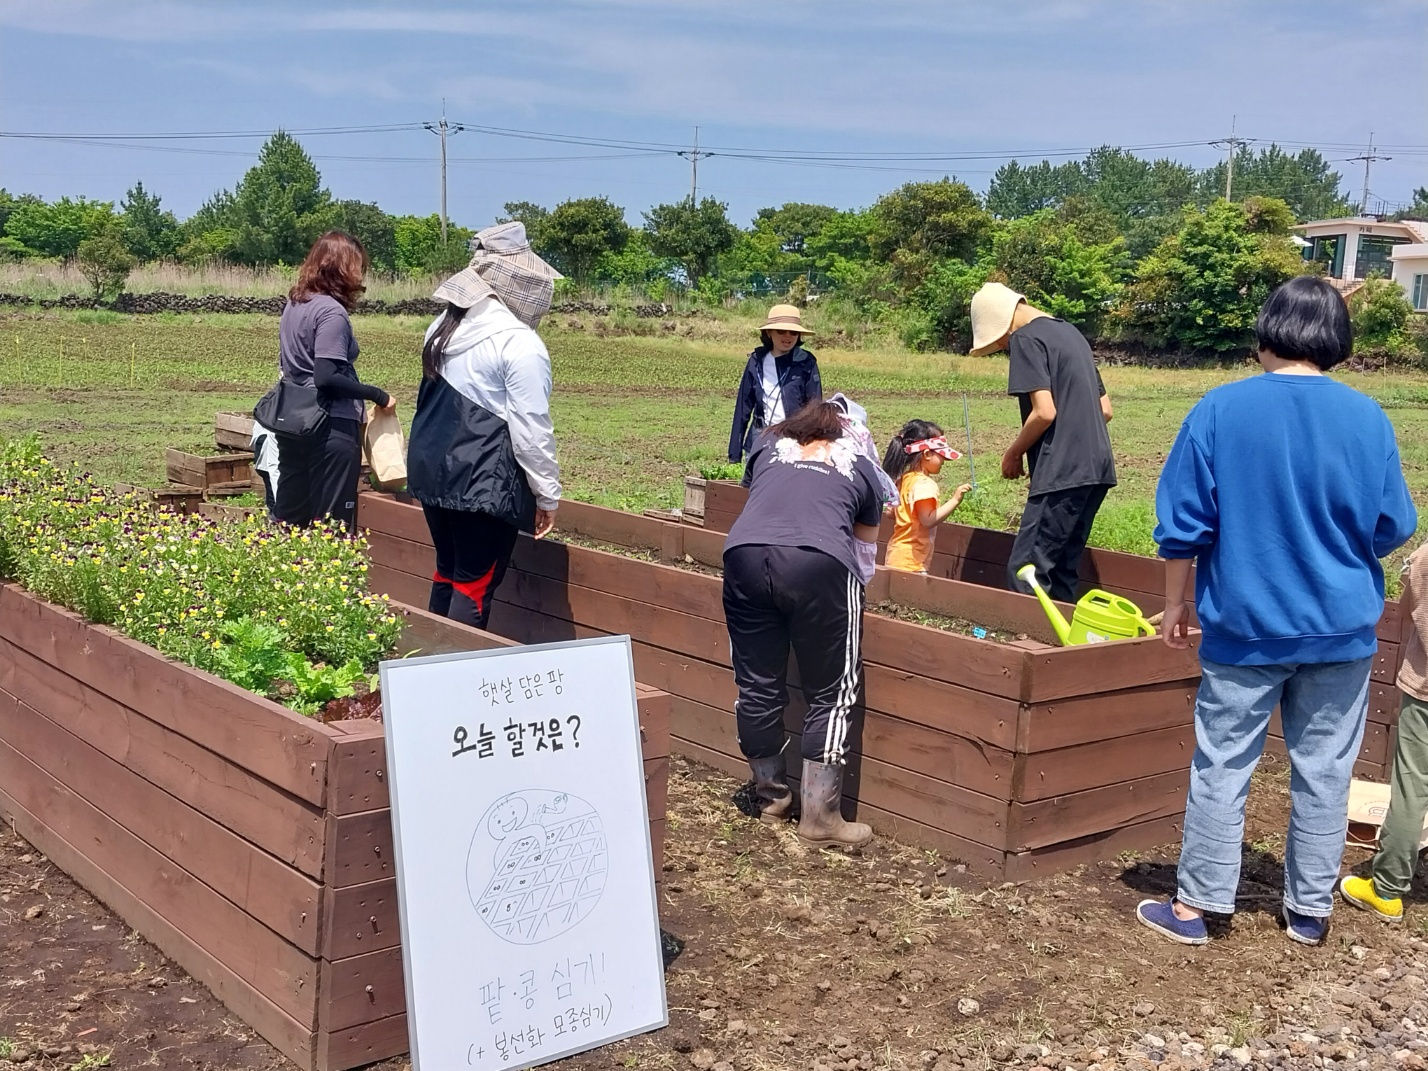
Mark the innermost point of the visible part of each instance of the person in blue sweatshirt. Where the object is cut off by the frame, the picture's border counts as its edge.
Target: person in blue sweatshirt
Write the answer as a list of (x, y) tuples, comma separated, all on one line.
[(1286, 490)]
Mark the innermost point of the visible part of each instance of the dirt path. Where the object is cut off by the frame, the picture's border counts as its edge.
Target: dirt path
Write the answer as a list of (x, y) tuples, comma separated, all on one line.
[(894, 958)]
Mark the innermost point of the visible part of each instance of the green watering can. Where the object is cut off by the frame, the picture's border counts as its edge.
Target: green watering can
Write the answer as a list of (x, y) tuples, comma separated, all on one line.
[(1099, 616)]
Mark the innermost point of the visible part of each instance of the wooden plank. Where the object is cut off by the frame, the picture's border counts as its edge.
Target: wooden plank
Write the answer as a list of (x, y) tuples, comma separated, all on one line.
[(1143, 836), (260, 957), (399, 586), (383, 513), (1046, 774), (1385, 663), (945, 656), (657, 785), (1107, 667), (1385, 701), (1096, 810), (233, 431), (200, 471), (252, 732), (650, 582), (357, 771), (983, 860), (1067, 722), (288, 828), (359, 848), (255, 882), (281, 1030), (613, 526), (360, 918), (403, 555), (358, 1046), (427, 633), (361, 989), (992, 608), (904, 792)]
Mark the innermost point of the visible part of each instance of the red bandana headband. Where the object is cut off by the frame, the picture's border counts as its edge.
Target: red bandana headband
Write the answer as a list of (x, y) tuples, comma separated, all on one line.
[(937, 445)]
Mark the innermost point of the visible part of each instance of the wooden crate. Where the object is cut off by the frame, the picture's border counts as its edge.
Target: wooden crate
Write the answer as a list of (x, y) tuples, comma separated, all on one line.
[(219, 472), (233, 431), (693, 512), (251, 845), (1019, 759)]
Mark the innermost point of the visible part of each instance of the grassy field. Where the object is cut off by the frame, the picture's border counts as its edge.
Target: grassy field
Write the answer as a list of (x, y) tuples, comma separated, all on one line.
[(633, 415)]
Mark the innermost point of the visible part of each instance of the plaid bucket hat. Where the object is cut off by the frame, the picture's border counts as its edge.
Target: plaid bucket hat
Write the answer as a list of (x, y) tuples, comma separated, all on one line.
[(503, 265)]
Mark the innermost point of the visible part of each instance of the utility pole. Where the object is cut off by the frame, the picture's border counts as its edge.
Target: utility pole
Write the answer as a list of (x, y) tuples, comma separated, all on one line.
[(1233, 144), (694, 156), (1368, 158), (442, 130)]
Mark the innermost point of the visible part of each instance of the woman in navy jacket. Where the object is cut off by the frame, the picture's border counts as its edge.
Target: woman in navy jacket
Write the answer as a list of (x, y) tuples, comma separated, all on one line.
[(779, 380)]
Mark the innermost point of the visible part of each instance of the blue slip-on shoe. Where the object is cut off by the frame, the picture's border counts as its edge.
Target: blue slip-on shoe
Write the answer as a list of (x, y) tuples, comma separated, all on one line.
[(1306, 929), (1160, 916)]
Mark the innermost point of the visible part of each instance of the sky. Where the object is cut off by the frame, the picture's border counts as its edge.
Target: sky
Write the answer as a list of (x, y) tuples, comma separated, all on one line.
[(851, 83)]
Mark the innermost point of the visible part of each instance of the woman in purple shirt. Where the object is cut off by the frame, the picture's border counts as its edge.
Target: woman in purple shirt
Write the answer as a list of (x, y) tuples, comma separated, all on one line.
[(318, 476)]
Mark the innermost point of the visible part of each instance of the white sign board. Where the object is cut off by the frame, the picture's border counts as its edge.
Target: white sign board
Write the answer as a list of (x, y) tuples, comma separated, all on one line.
[(529, 924)]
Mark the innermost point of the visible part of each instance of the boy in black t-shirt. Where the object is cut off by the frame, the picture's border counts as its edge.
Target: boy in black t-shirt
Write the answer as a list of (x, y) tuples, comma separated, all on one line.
[(1063, 437)]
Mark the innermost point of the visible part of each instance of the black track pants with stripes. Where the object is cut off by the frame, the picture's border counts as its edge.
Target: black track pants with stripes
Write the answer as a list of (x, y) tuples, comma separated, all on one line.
[(777, 598)]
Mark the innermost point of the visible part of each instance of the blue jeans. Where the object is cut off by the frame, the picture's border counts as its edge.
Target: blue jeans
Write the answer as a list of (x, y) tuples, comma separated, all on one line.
[(1323, 708)]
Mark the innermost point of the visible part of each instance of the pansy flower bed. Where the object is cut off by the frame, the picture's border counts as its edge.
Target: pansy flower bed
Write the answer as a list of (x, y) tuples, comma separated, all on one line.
[(280, 611)]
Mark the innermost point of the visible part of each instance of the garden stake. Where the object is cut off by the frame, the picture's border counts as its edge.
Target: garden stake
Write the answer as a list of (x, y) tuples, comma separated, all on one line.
[(967, 423), (133, 349)]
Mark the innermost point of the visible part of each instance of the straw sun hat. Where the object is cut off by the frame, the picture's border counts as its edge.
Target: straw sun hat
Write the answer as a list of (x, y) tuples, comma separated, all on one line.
[(503, 264), (993, 307), (785, 318)]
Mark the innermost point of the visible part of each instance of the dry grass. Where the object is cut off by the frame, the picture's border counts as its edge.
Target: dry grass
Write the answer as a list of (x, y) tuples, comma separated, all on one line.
[(52, 278)]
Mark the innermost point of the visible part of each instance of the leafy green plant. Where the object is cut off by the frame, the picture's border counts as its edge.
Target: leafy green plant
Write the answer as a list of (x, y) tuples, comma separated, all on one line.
[(187, 584), (317, 684), (255, 655), (722, 470), (105, 263), (1380, 313)]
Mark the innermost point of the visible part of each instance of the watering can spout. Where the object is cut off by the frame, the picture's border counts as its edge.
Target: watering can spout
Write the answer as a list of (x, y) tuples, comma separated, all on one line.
[(1027, 573)]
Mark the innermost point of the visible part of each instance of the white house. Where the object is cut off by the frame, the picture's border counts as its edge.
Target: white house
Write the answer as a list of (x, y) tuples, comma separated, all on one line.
[(1352, 249), (1410, 271)]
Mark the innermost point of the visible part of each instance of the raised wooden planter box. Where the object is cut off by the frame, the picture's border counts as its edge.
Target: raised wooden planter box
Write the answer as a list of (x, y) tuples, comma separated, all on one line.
[(219, 472), (233, 431), (1020, 759), (979, 555), (251, 845)]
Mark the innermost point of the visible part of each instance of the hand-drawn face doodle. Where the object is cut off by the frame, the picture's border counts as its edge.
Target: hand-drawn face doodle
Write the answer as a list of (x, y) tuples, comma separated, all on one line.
[(537, 864)]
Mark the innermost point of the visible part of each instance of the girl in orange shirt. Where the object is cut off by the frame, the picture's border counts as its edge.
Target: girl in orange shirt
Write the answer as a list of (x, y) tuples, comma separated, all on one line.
[(913, 457)]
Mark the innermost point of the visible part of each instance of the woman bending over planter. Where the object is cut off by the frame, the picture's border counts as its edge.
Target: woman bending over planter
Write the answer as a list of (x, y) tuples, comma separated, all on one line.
[(791, 579), (779, 380), (481, 457), (1286, 488), (316, 348)]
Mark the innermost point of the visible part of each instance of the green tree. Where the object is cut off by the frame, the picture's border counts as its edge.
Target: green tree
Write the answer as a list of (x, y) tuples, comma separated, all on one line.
[(1380, 313), (149, 232), (694, 235), (794, 225), (211, 233), (373, 228), (419, 249), (1144, 197), (1201, 289), (105, 263), (1303, 180), (530, 214), (924, 222), (280, 206), (1068, 264), (635, 265), (55, 230), (578, 232), (841, 241), (1017, 191), (1418, 210), (9, 202)]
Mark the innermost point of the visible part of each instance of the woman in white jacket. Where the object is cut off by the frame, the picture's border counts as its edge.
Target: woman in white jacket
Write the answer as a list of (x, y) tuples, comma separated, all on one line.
[(481, 457)]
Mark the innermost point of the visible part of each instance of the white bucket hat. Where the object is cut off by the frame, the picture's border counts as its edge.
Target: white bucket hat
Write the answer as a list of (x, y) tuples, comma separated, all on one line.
[(993, 307), (504, 264)]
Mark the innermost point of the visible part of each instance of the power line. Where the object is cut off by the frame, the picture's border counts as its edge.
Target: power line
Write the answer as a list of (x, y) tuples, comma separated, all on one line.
[(1231, 145), (443, 129), (694, 156)]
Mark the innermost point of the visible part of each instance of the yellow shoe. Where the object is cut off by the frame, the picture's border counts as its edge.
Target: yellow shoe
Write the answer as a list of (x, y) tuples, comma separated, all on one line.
[(1360, 893)]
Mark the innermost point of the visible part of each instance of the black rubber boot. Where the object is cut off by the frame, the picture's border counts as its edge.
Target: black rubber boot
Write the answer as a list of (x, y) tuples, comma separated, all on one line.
[(771, 792), (822, 823)]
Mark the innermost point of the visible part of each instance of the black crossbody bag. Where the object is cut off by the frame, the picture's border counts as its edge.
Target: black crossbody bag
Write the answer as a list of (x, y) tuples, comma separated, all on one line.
[(292, 411)]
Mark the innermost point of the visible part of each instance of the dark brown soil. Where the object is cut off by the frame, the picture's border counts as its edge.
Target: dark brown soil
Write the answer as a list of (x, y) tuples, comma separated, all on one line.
[(794, 958)]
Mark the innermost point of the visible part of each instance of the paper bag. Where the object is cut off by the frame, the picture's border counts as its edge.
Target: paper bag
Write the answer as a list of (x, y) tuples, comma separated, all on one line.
[(1368, 804), (384, 450)]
